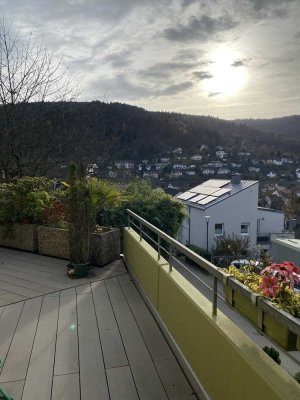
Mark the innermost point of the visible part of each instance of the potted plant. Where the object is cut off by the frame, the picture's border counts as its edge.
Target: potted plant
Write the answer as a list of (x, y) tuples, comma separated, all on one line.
[(279, 306), (21, 205), (53, 235), (80, 221)]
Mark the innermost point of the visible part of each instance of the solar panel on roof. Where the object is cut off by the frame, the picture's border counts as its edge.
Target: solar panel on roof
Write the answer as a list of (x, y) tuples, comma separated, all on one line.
[(207, 200), (218, 183), (199, 197), (186, 195), (204, 189), (220, 192)]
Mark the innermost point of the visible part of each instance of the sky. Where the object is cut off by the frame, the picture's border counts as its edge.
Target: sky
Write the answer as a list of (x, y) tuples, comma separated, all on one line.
[(225, 58)]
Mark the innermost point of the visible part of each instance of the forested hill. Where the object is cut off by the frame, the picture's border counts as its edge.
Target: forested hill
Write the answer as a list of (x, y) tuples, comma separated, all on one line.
[(143, 133), (287, 126), (137, 133)]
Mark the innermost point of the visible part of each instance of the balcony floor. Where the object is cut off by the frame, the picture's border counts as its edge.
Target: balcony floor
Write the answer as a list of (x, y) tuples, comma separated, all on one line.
[(91, 338)]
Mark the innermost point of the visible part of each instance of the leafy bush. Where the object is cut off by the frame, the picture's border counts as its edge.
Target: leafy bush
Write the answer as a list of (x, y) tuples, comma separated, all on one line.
[(154, 205), (273, 353), (24, 200), (269, 286), (231, 245), (201, 252), (297, 377)]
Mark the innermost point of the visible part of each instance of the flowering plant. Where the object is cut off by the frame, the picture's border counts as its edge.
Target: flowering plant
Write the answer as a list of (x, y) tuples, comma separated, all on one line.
[(276, 282), (277, 277)]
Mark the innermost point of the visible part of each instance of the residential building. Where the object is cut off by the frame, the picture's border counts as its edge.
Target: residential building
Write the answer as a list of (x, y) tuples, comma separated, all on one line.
[(220, 206)]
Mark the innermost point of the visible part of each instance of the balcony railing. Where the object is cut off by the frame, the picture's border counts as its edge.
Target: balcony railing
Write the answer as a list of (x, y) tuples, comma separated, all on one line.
[(223, 360)]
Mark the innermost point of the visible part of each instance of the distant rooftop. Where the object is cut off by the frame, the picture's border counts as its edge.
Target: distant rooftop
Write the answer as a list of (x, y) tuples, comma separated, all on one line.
[(213, 191)]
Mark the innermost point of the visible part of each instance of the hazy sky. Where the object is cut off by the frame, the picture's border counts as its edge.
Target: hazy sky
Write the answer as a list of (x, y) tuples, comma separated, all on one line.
[(226, 58)]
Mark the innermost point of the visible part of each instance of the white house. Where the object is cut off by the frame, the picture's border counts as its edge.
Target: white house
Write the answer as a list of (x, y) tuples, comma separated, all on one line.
[(220, 206)]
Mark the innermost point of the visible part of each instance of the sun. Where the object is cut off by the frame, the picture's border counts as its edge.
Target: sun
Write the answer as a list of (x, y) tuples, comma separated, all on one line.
[(227, 79)]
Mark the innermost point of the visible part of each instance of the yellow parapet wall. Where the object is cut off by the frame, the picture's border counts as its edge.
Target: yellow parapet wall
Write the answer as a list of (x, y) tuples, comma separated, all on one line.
[(228, 364)]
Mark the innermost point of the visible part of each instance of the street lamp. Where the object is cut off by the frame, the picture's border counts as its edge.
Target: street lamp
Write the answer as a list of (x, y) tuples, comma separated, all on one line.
[(207, 222)]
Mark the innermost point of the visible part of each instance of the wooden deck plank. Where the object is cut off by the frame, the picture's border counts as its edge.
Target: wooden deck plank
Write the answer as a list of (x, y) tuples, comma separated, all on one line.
[(112, 346), (92, 373), (152, 335), (174, 381), (13, 389), (83, 289), (10, 298), (20, 290), (35, 266), (33, 277), (66, 387), (38, 384), (16, 363), (121, 384), (8, 323), (66, 358), (147, 381), (28, 284)]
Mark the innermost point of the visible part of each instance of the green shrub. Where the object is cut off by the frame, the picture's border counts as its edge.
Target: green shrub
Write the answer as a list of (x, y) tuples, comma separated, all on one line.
[(24, 200), (202, 252), (273, 353), (297, 377), (154, 205)]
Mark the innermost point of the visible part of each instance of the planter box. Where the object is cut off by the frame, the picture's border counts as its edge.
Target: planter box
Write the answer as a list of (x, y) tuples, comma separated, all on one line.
[(19, 236), (272, 321), (53, 242), (105, 247)]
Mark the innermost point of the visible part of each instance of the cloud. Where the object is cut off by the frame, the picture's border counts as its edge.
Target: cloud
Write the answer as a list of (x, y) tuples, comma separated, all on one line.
[(166, 70), (214, 94), (175, 89), (118, 60), (199, 29), (202, 75), (268, 8), (241, 62), (123, 87)]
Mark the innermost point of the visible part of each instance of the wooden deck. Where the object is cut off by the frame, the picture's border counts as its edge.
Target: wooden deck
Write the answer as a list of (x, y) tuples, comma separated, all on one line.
[(90, 339)]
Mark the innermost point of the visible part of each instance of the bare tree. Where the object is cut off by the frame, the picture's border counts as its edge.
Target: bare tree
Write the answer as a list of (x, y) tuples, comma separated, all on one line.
[(29, 73)]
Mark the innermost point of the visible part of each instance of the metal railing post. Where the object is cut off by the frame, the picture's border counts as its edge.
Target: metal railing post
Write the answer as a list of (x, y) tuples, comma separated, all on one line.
[(158, 247), (215, 296), (141, 231), (129, 221), (170, 258)]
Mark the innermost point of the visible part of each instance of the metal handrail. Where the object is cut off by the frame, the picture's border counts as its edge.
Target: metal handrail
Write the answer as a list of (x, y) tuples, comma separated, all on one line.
[(175, 245), (217, 274)]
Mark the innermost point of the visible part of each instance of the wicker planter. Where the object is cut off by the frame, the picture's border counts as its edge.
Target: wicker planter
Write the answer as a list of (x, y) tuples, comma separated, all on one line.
[(53, 242), (105, 247), (280, 326), (19, 236)]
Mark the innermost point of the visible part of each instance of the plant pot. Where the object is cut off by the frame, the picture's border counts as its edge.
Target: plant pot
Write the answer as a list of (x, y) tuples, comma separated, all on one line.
[(81, 270), (53, 241), (105, 247), (19, 236), (272, 323)]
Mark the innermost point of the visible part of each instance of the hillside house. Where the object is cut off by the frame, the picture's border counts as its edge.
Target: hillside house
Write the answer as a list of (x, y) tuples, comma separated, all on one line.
[(220, 206), (196, 157)]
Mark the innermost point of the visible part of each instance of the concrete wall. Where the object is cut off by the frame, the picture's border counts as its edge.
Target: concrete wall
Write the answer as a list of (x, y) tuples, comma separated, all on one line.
[(232, 212), (286, 250), (226, 362), (270, 221)]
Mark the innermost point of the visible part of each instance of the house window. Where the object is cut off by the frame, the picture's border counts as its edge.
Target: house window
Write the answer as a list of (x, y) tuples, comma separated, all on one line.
[(219, 229), (245, 229)]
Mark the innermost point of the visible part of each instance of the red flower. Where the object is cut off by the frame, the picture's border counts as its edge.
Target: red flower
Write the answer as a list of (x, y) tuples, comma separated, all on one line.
[(269, 286)]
